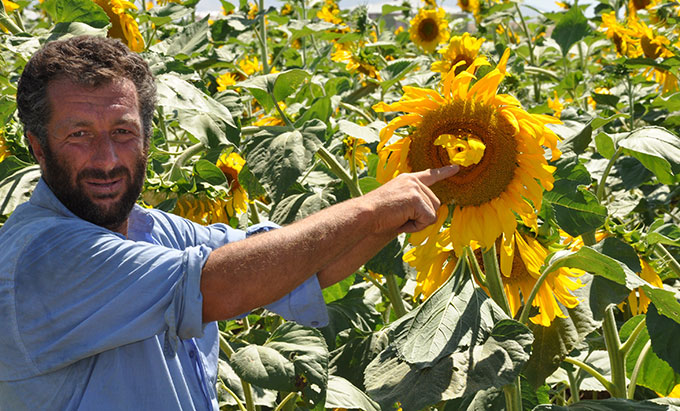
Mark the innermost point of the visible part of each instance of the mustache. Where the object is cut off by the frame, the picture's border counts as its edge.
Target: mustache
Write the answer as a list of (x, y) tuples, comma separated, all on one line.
[(99, 174)]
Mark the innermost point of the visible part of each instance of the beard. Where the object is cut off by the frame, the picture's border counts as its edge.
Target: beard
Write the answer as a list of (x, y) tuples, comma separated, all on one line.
[(73, 196)]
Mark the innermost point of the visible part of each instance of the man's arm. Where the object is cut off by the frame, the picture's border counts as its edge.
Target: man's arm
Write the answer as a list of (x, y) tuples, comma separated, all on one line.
[(334, 242)]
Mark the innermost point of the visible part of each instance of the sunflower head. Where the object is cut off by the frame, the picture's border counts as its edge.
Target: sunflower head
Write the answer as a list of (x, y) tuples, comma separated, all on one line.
[(429, 28), (231, 165), (225, 80), (460, 49), (356, 147), (123, 25)]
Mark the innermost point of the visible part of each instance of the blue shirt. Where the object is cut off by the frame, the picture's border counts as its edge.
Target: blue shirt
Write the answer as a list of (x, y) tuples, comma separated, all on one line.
[(95, 321)]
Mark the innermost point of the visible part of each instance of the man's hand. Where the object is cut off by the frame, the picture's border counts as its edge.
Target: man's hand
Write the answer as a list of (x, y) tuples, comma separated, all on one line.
[(406, 203)]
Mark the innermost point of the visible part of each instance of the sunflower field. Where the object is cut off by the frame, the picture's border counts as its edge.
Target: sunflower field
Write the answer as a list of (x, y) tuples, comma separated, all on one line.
[(550, 280)]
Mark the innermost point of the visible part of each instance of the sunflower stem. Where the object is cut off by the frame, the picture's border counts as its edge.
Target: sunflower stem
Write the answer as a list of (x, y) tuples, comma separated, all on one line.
[(283, 403), (667, 258), (532, 58), (493, 279), (254, 215), (395, 295), (247, 391), (573, 386), (630, 393), (476, 269), (263, 36), (339, 171), (524, 316), (616, 358), (631, 103), (513, 396), (625, 347), (7, 22), (592, 371), (600, 186)]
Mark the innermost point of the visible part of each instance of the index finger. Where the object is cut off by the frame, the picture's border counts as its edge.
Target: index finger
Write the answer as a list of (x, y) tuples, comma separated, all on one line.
[(432, 175)]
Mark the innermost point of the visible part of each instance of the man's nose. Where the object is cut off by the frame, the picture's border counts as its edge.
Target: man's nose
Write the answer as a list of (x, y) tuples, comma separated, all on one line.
[(104, 153)]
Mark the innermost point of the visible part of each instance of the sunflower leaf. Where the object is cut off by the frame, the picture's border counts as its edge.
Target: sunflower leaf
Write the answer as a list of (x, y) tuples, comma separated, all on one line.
[(664, 332), (609, 404), (664, 233), (343, 394), (83, 11), (657, 149), (571, 27)]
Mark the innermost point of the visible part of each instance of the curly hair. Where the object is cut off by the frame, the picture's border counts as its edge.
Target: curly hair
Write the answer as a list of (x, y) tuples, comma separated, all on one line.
[(89, 62)]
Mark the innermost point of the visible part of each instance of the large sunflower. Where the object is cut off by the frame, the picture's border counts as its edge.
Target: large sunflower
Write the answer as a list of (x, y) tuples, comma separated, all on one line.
[(499, 146), (460, 48), (429, 28), (123, 25)]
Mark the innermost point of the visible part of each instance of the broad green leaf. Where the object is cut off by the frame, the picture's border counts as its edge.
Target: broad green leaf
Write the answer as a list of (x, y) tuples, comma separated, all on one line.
[(343, 394), (370, 133), (261, 396), (210, 172), (83, 11), (610, 100), (605, 145), (320, 109), (663, 233), (572, 27), (10, 165), (76, 28), (278, 159), (265, 367), (665, 301), (397, 70), (592, 261), (288, 82), (388, 260), (389, 8), (492, 361), (581, 140), (618, 250), (17, 188), (250, 183), (664, 333), (445, 322), (489, 399), (657, 149), (196, 112), (368, 184), (193, 39), (601, 121), (609, 404), (306, 348), (280, 85), (166, 14), (576, 208), (353, 311), (337, 290), (654, 373), (298, 206), (356, 349), (552, 344)]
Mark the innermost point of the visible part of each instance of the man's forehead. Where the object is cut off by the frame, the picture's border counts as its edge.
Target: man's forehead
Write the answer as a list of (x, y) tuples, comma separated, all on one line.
[(116, 91)]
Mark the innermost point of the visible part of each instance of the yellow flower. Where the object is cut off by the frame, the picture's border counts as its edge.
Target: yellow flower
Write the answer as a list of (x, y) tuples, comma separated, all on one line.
[(250, 67), (202, 209), (429, 28), (10, 6), (460, 48), (287, 9), (329, 15), (637, 299), (231, 165), (470, 6), (510, 177), (252, 10), (4, 149), (521, 272), (556, 105), (360, 150), (350, 53), (267, 121), (618, 33), (653, 46), (563, 5), (510, 35), (225, 80), (123, 25)]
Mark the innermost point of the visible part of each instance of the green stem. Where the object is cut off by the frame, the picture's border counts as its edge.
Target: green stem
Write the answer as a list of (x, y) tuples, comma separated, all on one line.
[(254, 216), (339, 171), (7, 22), (395, 295), (631, 103), (475, 268), (592, 371), (263, 37), (573, 387), (667, 258), (233, 395), (493, 279), (636, 371), (289, 397), (625, 347), (353, 164), (283, 115), (375, 282), (532, 58), (357, 110), (186, 155), (616, 357), (600, 186), (513, 396), (247, 391)]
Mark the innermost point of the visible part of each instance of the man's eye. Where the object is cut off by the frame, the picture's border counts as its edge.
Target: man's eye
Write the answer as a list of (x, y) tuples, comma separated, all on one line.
[(122, 131), (77, 134)]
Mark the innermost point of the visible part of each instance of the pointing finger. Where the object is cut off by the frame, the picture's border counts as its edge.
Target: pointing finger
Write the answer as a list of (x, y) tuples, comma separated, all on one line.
[(431, 176)]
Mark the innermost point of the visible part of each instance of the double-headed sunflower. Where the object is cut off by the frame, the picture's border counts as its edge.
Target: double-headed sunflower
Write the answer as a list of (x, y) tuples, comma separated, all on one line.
[(429, 28), (460, 48), (231, 165), (123, 25), (499, 146)]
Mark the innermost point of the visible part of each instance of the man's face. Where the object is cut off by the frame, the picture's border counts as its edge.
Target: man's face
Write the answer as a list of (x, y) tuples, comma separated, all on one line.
[(95, 159)]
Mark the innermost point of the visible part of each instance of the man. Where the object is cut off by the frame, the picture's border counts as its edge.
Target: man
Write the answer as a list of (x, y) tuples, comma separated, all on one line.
[(107, 305)]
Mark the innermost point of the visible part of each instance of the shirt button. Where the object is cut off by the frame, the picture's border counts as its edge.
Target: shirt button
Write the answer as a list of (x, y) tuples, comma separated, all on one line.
[(191, 354)]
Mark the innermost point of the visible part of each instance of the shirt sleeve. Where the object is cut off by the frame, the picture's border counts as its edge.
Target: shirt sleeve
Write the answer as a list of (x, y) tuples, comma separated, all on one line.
[(81, 289), (305, 304)]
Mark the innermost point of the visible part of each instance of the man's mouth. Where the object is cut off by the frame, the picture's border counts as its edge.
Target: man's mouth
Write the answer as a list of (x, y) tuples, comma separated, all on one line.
[(104, 188)]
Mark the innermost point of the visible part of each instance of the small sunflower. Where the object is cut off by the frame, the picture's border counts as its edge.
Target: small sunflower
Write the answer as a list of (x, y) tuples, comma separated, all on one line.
[(4, 149), (556, 105), (123, 25), (253, 9), (225, 80), (329, 15), (250, 66), (637, 299), (360, 150), (460, 48), (429, 28), (509, 34), (471, 6), (10, 6), (520, 273), (487, 192), (287, 9), (621, 35), (231, 165), (356, 62)]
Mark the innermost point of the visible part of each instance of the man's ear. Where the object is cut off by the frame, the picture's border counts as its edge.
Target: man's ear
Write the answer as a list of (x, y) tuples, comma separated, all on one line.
[(36, 148)]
